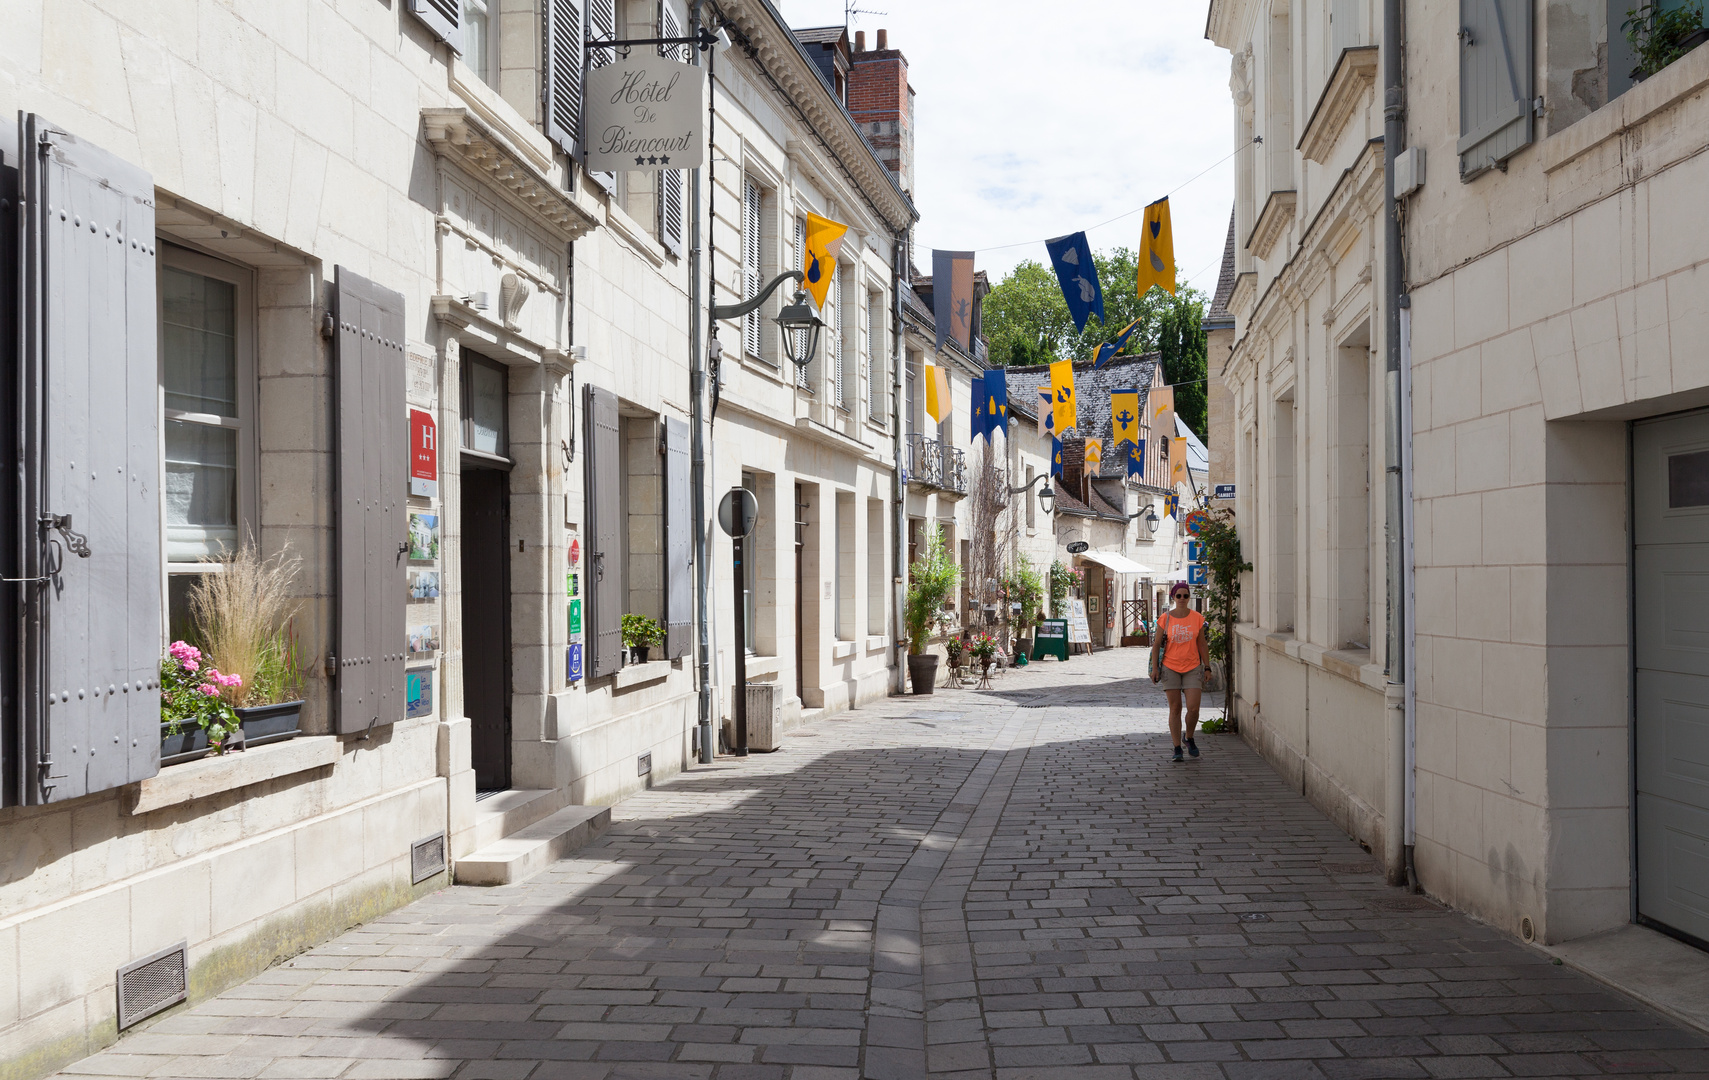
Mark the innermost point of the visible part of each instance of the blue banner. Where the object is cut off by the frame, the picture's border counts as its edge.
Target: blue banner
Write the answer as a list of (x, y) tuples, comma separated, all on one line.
[(1109, 349), (1071, 255)]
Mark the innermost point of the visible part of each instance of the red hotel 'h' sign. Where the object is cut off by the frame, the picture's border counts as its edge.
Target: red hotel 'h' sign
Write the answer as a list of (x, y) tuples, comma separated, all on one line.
[(423, 454)]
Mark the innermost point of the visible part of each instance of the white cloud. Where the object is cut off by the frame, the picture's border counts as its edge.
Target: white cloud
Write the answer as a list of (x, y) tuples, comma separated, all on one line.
[(1041, 119)]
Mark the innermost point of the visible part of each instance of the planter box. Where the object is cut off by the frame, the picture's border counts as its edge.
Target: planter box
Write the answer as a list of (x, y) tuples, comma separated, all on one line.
[(257, 725)]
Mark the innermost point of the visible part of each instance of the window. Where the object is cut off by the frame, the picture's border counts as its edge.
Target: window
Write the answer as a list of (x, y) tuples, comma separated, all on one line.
[(207, 378), (877, 577), (750, 627), (1027, 497), (834, 337), (480, 42), (486, 407), (844, 571), (877, 371)]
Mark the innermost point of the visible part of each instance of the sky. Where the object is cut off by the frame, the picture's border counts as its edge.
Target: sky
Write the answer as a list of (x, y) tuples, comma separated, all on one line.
[(1030, 125)]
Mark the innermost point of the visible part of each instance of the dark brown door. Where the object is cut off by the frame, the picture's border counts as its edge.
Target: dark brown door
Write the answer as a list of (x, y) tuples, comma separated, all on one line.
[(800, 599), (486, 623)]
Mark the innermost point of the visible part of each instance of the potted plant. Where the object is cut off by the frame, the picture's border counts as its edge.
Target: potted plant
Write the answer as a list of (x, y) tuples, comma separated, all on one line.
[(1659, 37), (984, 648), (195, 717), (1025, 588), (243, 616), (954, 647), (932, 580), (640, 634)]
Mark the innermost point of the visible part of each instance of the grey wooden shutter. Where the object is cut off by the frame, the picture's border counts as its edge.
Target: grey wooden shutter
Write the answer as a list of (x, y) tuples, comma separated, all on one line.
[(1496, 45), (671, 180), (679, 541), (373, 446), (11, 731), (89, 429), (443, 17), (604, 510), (602, 26), (561, 87)]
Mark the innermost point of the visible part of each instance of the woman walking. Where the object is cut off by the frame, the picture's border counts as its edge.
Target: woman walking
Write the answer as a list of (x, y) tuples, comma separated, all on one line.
[(1179, 656)]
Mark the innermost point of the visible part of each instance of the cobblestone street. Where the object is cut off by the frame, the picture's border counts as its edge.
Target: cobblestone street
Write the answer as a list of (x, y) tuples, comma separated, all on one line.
[(1013, 884)]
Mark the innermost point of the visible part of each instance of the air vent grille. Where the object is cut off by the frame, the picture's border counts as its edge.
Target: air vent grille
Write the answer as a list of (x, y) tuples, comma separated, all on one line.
[(151, 984), (426, 858)]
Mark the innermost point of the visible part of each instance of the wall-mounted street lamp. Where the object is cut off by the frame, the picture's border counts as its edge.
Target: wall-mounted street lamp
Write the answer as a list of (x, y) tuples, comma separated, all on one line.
[(798, 322), (1149, 513), (1046, 497)]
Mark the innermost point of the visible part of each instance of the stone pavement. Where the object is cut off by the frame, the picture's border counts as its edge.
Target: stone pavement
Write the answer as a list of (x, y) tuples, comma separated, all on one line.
[(1013, 884)]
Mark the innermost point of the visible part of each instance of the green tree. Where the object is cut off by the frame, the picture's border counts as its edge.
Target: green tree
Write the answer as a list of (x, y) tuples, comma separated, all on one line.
[(1182, 344)]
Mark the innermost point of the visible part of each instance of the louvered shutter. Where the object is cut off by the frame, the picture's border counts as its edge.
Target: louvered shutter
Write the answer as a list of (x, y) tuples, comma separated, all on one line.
[(753, 223), (90, 432), (604, 510), (835, 331), (797, 344), (671, 180), (1495, 82), (561, 88), (602, 26), (11, 732), (679, 541), (443, 17), (373, 446), (1344, 29)]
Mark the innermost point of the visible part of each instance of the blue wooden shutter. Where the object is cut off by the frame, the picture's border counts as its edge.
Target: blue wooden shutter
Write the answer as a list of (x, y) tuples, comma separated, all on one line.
[(373, 445), (1495, 82), (679, 541), (561, 87), (90, 431), (603, 506), (443, 17)]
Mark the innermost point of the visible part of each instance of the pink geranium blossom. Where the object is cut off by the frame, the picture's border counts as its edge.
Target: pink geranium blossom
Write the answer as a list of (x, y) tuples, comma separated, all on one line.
[(207, 690)]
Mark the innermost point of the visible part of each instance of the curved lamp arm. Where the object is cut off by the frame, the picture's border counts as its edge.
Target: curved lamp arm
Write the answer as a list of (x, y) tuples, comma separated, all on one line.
[(736, 311), (1028, 485)]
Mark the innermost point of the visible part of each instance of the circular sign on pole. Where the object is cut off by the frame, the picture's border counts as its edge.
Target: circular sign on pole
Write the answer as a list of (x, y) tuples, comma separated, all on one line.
[(727, 511), (1075, 547)]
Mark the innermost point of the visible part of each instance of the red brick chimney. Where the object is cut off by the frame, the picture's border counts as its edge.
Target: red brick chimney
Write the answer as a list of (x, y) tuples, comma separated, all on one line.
[(882, 104)]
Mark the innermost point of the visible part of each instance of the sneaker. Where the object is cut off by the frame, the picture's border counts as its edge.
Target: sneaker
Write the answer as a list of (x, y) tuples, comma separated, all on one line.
[(1178, 756), (1192, 748)]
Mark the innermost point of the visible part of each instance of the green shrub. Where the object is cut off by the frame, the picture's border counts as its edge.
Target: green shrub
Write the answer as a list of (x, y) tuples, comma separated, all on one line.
[(640, 632), (932, 579)]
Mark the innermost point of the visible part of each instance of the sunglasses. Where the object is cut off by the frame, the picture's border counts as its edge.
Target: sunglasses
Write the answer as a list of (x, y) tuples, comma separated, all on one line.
[(1180, 592)]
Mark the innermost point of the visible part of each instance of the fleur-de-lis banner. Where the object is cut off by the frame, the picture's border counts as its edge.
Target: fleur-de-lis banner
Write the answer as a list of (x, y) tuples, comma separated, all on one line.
[(1157, 250), (824, 245), (952, 297), (1109, 349), (1124, 416), (1071, 255), (1062, 395)]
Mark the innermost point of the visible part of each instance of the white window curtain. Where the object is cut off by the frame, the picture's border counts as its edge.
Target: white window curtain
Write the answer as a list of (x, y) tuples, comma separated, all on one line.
[(199, 348)]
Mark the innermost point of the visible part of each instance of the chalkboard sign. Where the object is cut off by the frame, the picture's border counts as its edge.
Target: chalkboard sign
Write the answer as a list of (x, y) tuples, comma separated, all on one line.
[(1050, 638), (1078, 632)]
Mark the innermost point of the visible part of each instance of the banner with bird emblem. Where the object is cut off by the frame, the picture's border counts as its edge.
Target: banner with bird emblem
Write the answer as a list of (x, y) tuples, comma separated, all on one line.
[(1157, 250), (1178, 473), (1108, 350), (1062, 395), (1071, 255), (824, 245), (1124, 417), (1160, 410), (952, 297)]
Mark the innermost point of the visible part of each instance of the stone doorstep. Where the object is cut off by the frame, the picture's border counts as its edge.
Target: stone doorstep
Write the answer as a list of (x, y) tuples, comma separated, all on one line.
[(528, 851), (501, 815), (1663, 973)]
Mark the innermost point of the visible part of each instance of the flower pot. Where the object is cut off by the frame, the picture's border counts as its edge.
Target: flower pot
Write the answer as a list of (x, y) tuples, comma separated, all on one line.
[(262, 724), (922, 672), (639, 652), (190, 743)]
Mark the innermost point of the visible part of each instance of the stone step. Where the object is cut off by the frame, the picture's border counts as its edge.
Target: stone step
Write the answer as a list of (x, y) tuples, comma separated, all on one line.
[(528, 851), (508, 812)]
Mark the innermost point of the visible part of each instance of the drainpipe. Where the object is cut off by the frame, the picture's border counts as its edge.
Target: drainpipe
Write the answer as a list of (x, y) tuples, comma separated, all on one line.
[(697, 441), (899, 529), (1397, 816)]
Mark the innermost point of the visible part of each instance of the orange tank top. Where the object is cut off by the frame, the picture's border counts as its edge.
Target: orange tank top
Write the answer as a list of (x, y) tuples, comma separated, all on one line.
[(1180, 638)]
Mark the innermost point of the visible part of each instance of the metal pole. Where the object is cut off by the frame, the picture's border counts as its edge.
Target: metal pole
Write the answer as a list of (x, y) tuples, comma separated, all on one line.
[(697, 448), (739, 518), (899, 527)]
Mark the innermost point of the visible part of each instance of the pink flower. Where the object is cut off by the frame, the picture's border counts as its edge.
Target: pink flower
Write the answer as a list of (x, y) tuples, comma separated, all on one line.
[(228, 680), (207, 690), (185, 653), (190, 665)]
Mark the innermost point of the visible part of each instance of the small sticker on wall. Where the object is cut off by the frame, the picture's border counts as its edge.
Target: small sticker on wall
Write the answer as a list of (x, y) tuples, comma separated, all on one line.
[(573, 662), (575, 616), (418, 689)]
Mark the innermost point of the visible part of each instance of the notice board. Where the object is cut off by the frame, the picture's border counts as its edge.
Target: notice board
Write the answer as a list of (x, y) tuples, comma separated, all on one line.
[(1050, 638), (1078, 632)]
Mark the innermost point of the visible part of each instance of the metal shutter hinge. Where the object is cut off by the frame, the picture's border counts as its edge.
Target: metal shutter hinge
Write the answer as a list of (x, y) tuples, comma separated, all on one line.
[(327, 326), (75, 542)]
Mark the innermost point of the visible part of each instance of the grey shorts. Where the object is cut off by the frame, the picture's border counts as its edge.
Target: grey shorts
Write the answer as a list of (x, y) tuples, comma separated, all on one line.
[(1182, 680)]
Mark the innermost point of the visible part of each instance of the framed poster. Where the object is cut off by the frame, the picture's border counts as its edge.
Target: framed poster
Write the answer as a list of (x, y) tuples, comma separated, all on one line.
[(423, 584), (423, 536), (418, 692)]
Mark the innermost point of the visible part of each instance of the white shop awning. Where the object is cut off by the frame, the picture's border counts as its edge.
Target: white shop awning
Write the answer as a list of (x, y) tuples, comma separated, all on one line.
[(1121, 564)]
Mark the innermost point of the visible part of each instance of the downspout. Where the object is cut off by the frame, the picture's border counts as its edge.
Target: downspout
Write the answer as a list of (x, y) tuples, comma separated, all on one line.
[(899, 530), (1397, 817), (697, 441)]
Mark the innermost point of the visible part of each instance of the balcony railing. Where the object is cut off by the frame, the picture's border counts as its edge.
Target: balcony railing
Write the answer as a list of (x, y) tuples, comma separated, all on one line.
[(932, 464)]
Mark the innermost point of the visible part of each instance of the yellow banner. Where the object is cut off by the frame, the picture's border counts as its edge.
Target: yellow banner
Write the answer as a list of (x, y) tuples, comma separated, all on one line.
[(1124, 417), (1157, 250), (824, 245), (1062, 393), (938, 403)]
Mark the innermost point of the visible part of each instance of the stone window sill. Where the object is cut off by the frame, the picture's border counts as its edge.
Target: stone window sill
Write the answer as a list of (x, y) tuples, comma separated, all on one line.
[(1685, 76), (1352, 664), (874, 644), (214, 775), (632, 675), (842, 649)]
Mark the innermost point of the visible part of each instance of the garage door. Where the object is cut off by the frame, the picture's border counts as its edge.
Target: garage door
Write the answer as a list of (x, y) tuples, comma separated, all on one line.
[(1671, 566)]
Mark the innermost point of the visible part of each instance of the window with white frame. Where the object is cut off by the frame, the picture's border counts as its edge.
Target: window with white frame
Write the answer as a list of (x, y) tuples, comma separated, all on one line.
[(877, 370), (834, 337), (207, 374), (753, 269), (480, 39)]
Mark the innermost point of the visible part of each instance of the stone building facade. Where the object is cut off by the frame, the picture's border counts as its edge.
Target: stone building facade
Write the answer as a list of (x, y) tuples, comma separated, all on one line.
[(1553, 476), (346, 232)]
